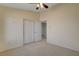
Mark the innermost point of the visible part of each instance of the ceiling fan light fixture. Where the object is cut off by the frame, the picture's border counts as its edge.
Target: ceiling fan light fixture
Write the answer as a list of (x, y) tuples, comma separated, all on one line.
[(41, 5), (38, 5)]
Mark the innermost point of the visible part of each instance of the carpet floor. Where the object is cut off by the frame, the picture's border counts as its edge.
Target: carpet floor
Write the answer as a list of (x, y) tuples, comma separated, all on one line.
[(41, 48)]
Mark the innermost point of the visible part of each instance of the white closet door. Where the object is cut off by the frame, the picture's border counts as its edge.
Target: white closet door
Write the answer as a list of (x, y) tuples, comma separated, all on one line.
[(37, 31), (28, 31)]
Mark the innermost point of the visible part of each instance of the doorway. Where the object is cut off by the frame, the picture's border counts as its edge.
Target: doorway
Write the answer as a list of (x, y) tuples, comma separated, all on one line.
[(44, 30)]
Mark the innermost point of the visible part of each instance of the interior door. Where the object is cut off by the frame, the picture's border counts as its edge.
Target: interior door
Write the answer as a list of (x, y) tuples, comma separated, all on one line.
[(28, 31), (37, 31)]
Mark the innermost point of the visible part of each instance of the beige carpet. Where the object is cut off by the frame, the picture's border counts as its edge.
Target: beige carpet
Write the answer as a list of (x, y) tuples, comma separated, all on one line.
[(40, 48)]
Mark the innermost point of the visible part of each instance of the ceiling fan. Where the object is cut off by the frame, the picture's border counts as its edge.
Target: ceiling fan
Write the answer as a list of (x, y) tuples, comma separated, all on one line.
[(41, 5)]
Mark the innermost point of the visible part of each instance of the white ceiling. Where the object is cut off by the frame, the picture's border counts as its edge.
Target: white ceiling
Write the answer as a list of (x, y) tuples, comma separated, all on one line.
[(26, 6)]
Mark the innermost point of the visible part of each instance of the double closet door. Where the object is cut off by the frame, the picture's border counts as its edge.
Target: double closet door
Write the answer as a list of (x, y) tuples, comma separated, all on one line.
[(32, 31)]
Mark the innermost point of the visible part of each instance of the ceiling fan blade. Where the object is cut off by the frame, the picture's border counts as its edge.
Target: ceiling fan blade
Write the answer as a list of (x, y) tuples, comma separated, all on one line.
[(37, 8), (45, 5)]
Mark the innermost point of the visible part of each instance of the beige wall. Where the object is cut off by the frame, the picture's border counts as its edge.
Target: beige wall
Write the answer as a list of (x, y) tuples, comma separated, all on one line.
[(63, 25), (11, 26)]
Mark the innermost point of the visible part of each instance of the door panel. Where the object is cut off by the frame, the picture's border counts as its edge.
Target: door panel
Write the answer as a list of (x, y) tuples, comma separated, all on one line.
[(37, 31), (28, 31)]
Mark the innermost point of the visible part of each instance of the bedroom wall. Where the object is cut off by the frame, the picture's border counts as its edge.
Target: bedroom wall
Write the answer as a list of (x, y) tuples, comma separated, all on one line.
[(11, 26), (63, 25)]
